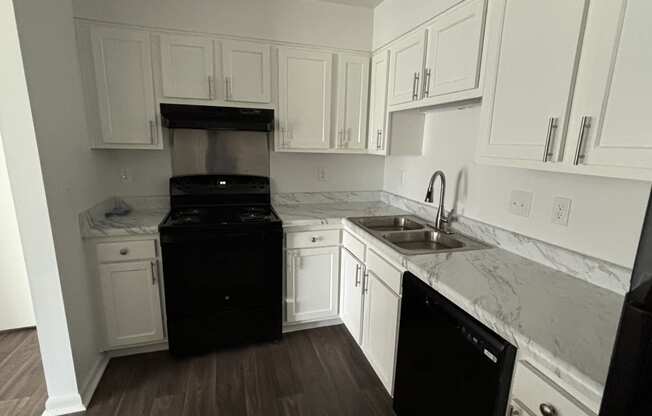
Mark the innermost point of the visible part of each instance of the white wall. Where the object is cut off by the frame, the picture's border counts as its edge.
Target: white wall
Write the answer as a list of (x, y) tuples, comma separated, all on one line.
[(26, 179), (74, 175), (15, 299), (302, 21), (606, 214), (393, 18)]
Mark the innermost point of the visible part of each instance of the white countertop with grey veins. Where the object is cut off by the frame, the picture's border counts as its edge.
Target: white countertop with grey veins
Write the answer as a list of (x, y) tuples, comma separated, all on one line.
[(560, 321), (145, 215)]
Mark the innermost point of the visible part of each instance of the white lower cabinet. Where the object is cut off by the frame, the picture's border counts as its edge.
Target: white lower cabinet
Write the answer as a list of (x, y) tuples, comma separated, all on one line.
[(312, 284), (351, 278), (381, 312), (131, 302)]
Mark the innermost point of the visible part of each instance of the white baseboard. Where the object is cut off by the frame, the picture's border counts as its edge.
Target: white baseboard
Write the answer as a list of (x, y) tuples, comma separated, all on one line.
[(93, 379), (310, 325), (64, 406)]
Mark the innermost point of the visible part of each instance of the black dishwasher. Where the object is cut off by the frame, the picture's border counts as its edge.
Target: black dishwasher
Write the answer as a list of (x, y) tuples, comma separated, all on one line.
[(448, 363)]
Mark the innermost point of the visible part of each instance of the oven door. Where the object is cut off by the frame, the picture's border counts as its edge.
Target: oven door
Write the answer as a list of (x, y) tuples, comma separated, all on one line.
[(222, 288)]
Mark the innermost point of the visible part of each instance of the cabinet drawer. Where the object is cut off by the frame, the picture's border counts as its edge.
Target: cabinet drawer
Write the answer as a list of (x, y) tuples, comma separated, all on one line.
[(532, 389), (320, 238), (389, 274), (126, 250), (355, 246)]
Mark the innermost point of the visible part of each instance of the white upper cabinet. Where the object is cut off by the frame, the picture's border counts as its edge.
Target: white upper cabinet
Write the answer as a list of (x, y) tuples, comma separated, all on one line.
[(131, 303), (125, 93), (530, 77), (187, 67), (406, 66), (247, 72), (454, 50), (377, 142), (352, 101), (305, 90), (609, 126), (351, 277)]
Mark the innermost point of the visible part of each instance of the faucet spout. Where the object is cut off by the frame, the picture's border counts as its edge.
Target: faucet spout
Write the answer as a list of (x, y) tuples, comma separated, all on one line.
[(441, 222)]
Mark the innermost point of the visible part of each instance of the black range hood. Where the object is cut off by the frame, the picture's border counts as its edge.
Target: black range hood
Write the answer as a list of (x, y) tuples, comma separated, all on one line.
[(203, 117)]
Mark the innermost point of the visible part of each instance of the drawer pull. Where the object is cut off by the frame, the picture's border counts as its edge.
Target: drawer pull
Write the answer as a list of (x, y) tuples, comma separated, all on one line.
[(124, 251), (314, 239), (547, 409)]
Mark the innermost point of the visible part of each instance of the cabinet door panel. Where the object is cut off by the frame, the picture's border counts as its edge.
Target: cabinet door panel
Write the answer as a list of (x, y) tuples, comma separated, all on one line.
[(187, 67), (123, 75), (351, 274), (454, 49), (381, 306), (352, 96), (132, 304), (305, 91), (622, 137), (378, 103), (532, 75), (247, 72), (312, 284), (406, 67)]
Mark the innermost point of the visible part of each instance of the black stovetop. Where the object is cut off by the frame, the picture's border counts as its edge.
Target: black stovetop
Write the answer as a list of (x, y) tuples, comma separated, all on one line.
[(200, 216)]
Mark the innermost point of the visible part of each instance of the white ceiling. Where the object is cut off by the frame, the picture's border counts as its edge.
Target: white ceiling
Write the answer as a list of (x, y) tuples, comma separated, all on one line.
[(359, 3)]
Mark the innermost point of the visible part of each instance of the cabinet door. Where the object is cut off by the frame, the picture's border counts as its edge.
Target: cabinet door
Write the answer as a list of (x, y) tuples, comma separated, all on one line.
[(530, 78), (247, 72), (381, 306), (406, 67), (132, 304), (378, 103), (187, 67), (351, 274), (312, 284), (352, 101), (305, 91), (123, 75), (611, 113), (454, 50)]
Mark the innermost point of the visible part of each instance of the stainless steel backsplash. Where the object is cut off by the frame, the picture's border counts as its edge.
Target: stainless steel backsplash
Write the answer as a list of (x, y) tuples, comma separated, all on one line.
[(219, 152)]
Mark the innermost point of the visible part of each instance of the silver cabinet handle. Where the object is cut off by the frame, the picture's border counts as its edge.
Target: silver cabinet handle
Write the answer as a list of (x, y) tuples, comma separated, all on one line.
[(547, 409), (552, 126), (579, 151), (382, 140), (426, 84), (154, 265), (211, 88), (124, 251), (415, 87), (378, 134), (357, 274), (152, 130), (365, 283), (227, 91)]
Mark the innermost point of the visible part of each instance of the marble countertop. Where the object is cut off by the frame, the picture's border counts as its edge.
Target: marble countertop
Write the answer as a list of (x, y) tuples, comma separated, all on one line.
[(563, 323), (144, 218)]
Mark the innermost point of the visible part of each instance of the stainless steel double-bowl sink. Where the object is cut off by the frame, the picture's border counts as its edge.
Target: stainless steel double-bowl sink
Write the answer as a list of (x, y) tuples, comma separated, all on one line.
[(410, 235)]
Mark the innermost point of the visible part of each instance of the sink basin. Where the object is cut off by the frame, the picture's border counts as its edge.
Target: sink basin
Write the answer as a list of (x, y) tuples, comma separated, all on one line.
[(409, 235), (429, 240), (385, 224)]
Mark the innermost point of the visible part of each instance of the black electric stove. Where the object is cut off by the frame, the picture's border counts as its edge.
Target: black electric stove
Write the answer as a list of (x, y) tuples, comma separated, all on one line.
[(222, 263)]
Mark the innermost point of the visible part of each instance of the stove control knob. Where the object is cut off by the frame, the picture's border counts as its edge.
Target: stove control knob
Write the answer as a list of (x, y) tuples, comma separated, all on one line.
[(227, 297), (547, 409)]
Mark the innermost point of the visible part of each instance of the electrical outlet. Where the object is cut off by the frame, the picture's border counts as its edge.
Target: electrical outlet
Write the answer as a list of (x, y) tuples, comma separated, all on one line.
[(321, 174), (520, 203), (125, 175), (561, 210)]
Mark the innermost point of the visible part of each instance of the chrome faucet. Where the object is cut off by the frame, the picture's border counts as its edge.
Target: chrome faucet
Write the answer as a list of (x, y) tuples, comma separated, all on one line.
[(441, 221)]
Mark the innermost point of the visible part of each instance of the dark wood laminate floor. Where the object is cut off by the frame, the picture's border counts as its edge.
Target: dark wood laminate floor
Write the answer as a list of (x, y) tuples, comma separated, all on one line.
[(22, 384), (315, 372)]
